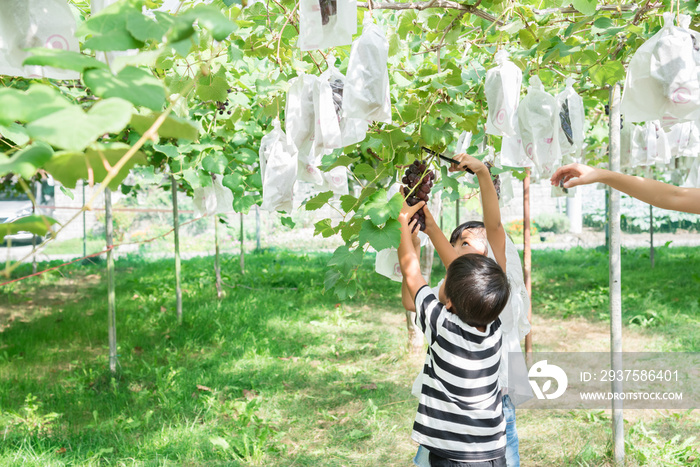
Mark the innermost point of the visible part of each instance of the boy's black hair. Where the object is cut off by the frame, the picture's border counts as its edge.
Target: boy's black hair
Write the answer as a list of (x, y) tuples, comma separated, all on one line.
[(478, 289), (469, 225)]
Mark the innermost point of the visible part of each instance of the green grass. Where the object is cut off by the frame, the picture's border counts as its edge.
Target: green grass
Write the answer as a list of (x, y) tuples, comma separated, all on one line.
[(662, 300), (279, 373)]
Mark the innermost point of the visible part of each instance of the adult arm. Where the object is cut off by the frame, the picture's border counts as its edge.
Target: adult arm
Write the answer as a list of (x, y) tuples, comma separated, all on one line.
[(656, 193)]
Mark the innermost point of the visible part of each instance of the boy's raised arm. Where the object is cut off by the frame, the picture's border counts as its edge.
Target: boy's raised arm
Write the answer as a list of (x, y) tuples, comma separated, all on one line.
[(495, 233), (406, 298), (408, 258)]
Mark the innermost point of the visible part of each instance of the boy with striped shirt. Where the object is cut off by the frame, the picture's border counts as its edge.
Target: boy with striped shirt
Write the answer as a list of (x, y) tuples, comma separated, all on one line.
[(460, 416)]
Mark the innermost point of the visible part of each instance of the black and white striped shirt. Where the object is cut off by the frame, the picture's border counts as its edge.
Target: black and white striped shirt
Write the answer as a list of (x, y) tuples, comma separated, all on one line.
[(459, 413)]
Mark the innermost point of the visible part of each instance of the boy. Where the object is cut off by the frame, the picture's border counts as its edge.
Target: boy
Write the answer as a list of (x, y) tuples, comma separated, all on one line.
[(460, 418), (475, 237)]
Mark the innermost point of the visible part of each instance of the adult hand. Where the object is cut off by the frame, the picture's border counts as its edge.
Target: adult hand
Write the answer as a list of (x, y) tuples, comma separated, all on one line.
[(573, 175)]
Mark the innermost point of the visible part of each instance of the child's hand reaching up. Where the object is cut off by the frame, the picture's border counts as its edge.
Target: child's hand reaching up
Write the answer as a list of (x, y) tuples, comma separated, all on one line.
[(468, 162), (407, 212)]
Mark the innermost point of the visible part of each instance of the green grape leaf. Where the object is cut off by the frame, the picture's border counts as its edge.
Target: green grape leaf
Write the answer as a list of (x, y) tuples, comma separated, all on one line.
[(318, 201), (342, 160), (26, 162), (388, 236), (38, 225), (380, 210), (212, 88), (215, 163), (351, 229), (73, 129), (107, 30), (144, 29), (38, 101), (234, 182), (347, 202), (15, 133), (434, 137), (69, 166), (587, 7), (345, 260), (173, 127), (63, 59), (324, 228), (607, 73), (212, 19), (365, 171), (243, 203), (287, 222), (135, 85)]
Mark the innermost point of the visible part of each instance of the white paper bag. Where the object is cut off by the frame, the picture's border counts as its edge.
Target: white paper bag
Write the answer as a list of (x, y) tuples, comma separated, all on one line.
[(299, 112), (662, 80), (512, 151), (502, 89), (366, 95), (326, 23), (35, 23), (213, 199), (572, 121), (278, 168), (538, 119), (336, 180)]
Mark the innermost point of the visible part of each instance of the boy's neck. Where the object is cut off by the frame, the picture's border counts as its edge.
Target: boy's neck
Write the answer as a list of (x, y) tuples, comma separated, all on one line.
[(480, 328)]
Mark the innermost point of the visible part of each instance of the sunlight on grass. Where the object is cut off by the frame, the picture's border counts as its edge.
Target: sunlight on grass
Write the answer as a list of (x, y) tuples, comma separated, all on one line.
[(279, 373)]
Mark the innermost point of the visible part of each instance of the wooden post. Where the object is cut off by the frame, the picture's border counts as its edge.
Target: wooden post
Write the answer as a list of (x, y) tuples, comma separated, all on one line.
[(111, 299), (176, 226), (651, 234), (217, 264), (615, 267), (242, 250), (527, 257)]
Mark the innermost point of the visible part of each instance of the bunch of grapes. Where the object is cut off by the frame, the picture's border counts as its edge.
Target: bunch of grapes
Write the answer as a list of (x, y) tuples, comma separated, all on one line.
[(222, 107), (328, 8), (419, 181)]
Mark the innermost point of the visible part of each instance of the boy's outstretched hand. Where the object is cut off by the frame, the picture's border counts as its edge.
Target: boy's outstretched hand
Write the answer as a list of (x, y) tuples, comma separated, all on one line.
[(407, 212), (468, 162)]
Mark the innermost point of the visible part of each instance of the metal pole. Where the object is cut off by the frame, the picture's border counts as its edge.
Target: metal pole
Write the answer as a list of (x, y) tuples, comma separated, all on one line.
[(651, 234), (257, 228), (457, 213), (217, 264), (527, 257), (84, 224), (176, 226), (242, 252), (615, 266), (111, 300)]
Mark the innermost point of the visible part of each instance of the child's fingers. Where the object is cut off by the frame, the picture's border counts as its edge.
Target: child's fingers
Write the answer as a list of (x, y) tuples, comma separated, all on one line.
[(415, 208)]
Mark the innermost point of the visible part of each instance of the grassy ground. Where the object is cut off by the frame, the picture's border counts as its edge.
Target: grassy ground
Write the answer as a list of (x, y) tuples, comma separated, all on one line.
[(280, 374)]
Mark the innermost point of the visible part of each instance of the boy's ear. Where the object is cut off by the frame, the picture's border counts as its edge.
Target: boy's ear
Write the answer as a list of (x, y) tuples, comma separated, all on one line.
[(448, 303)]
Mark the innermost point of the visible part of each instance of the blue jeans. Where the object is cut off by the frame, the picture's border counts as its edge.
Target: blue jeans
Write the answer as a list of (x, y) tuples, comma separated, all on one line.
[(512, 454)]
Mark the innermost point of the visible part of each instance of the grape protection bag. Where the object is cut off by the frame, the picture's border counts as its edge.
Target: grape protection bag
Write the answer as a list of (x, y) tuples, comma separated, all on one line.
[(326, 23), (332, 129), (684, 139), (278, 168), (502, 89), (538, 119), (299, 109), (512, 151), (572, 121), (662, 80), (336, 180), (366, 94), (650, 145), (213, 199)]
